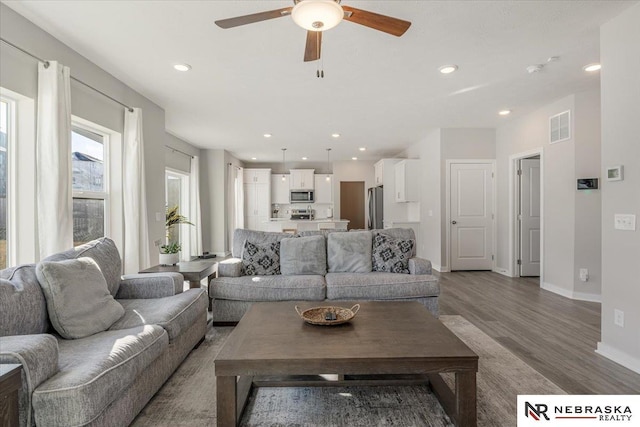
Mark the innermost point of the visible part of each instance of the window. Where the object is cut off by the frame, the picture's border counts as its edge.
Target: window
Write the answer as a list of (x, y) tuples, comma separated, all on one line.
[(90, 190), (177, 194), (5, 120)]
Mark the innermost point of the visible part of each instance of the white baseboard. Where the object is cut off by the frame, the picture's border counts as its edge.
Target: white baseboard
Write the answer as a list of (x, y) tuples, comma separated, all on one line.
[(580, 296), (620, 357), (502, 271), (221, 254), (440, 268)]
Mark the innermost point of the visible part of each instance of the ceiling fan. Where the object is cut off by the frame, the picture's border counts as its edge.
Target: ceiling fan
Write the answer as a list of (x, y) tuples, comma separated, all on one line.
[(317, 16)]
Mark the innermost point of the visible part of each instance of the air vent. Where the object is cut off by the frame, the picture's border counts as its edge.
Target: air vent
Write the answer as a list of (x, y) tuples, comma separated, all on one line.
[(560, 127)]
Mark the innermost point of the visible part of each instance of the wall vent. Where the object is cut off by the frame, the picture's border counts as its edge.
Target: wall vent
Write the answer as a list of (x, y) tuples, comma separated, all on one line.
[(560, 127)]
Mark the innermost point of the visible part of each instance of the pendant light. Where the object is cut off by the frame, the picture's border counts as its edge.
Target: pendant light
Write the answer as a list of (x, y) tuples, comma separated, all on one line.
[(284, 178), (328, 178)]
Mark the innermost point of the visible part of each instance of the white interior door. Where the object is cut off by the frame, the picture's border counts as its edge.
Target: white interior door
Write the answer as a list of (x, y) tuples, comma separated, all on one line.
[(471, 209), (529, 217)]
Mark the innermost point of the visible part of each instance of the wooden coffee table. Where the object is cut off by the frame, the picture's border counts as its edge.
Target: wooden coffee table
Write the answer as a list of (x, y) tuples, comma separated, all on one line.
[(400, 342)]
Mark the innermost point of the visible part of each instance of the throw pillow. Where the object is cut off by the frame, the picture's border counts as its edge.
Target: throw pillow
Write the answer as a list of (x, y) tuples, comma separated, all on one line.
[(349, 252), (78, 298), (261, 259), (304, 255), (391, 255)]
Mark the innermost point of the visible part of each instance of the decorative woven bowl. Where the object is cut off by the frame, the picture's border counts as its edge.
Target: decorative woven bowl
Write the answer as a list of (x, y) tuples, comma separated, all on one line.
[(318, 315)]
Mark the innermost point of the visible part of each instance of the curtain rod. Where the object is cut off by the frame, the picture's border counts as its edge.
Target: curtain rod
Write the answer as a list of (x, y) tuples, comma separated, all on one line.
[(46, 65), (181, 152)]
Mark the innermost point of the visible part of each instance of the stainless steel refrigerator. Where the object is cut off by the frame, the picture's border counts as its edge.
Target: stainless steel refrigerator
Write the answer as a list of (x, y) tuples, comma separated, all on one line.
[(374, 199)]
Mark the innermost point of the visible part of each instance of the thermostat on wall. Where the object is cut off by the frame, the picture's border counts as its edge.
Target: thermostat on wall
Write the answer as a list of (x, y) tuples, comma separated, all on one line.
[(587, 183)]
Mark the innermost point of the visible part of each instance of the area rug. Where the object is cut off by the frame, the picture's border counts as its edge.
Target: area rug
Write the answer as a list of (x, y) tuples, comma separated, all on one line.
[(188, 397)]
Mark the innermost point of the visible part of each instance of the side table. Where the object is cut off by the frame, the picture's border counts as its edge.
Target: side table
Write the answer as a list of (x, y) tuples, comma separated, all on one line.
[(10, 384), (193, 271)]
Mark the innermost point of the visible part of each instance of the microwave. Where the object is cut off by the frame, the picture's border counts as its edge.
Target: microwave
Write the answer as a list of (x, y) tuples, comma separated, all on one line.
[(301, 196)]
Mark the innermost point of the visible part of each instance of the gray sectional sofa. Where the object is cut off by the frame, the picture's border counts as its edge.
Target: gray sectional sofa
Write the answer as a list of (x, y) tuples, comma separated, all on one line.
[(105, 378), (335, 270)]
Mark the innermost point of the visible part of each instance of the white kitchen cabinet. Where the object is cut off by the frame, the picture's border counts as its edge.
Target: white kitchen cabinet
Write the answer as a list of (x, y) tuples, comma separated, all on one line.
[(378, 173), (323, 188), (301, 179), (280, 189), (407, 174), (257, 198)]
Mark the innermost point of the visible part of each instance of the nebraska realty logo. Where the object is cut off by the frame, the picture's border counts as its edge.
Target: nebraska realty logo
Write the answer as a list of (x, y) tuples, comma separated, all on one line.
[(578, 410)]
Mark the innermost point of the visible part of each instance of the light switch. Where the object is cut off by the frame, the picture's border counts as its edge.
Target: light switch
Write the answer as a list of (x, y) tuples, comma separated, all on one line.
[(625, 222)]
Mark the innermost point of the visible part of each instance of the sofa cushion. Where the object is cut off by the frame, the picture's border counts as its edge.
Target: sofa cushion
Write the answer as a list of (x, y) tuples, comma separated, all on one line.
[(261, 259), (304, 255), (268, 288), (93, 371), (23, 308), (391, 255), (257, 237), (380, 286), (175, 313), (349, 252), (78, 299), (104, 252)]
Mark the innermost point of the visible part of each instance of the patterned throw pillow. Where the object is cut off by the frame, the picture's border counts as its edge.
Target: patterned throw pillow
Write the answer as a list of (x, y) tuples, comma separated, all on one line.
[(261, 259), (391, 255)]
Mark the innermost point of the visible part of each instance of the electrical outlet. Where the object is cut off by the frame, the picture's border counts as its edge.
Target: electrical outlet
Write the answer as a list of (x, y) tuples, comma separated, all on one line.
[(157, 242), (618, 317), (584, 274)]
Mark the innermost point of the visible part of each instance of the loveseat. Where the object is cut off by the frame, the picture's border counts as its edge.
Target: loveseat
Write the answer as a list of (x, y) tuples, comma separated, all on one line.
[(324, 266), (74, 377)]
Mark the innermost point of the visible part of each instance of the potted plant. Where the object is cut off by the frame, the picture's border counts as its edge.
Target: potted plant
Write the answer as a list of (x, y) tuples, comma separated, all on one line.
[(169, 253)]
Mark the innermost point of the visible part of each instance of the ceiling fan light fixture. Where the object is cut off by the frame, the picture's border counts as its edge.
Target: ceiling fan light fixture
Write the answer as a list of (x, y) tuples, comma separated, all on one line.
[(317, 15)]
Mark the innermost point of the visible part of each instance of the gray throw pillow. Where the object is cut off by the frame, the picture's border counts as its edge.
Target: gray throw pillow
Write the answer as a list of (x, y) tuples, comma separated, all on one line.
[(304, 255), (261, 259), (78, 299), (349, 252), (391, 255)]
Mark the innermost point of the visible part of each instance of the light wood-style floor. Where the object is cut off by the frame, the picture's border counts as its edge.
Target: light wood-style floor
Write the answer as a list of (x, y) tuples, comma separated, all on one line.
[(557, 336)]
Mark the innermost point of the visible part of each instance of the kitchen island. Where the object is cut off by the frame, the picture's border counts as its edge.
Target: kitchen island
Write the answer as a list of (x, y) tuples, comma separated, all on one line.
[(286, 224)]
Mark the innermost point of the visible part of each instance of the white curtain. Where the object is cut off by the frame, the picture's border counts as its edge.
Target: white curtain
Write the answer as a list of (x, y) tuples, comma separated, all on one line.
[(136, 224), (53, 159), (195, 214), (235, 200)]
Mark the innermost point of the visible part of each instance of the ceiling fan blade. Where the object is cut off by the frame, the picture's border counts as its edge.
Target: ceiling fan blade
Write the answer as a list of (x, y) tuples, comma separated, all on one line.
[(387, 24), (256, 17), (313, 47)]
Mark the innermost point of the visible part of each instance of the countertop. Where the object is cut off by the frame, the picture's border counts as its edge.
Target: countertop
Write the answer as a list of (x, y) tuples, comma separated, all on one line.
[(308, 220)]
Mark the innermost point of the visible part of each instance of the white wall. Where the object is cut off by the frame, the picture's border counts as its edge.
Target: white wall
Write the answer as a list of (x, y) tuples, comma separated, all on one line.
[(19, 74), (620, 83)]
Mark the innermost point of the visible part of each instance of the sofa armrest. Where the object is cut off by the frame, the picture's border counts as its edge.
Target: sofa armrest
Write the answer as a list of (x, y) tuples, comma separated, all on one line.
[(419, 266), (150, 285), (231, 267), (38, 355)]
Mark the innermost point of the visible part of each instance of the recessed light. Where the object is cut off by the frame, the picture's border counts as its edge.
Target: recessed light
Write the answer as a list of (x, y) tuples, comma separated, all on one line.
[(354, 158), (592, 67), (448, 69), (304, 158), (267, 135), (254, 158), (182, 67), (363, 148), (504, 112), (335, 135)]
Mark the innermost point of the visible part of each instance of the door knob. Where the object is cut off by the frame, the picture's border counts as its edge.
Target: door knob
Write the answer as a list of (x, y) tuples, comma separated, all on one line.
[(454, 222)]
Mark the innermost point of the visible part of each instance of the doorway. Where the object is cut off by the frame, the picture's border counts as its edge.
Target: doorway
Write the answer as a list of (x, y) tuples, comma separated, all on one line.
[(470, 214), (352, 203), (528, 216)]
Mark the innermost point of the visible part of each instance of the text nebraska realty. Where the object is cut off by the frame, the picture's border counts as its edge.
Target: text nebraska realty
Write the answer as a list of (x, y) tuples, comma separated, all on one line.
[(601, 413)]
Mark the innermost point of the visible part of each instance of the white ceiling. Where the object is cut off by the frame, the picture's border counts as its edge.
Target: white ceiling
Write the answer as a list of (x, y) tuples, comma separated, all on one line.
[(379, 91)]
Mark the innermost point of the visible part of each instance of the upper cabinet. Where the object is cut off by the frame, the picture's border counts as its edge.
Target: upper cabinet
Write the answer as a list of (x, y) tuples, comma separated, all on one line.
[(280, 189), (407, 174), (301, 179), (378, 170), (323, 188), (257, 176)]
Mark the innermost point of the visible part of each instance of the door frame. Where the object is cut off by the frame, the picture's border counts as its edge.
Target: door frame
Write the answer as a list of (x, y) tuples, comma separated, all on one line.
[(514, 198), (494, 233)]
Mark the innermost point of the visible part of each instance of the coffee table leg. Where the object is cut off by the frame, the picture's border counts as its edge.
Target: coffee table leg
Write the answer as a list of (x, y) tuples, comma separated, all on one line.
[(466, 399), (226, 415)]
